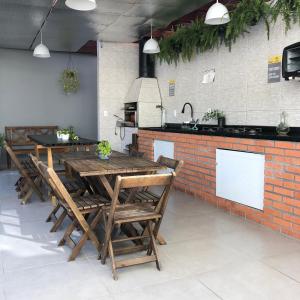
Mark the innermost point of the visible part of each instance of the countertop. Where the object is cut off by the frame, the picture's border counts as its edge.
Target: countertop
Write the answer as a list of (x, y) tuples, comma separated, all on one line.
[(268, 132)]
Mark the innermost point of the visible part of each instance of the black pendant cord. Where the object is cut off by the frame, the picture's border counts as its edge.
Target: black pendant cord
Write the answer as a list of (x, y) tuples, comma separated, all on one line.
[(54, 2)]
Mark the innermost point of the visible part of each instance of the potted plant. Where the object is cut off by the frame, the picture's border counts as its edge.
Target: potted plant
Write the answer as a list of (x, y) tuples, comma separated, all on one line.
[(70, 81), (215, 114), (66, 134), (63, 134), (103, 150)]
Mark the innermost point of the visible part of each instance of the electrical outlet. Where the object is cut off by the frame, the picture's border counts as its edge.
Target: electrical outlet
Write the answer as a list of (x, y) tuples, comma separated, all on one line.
[(105, 113), (175, 113)]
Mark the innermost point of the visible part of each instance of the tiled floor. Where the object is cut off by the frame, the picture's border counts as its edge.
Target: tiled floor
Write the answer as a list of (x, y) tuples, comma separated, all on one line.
[(210, 255)]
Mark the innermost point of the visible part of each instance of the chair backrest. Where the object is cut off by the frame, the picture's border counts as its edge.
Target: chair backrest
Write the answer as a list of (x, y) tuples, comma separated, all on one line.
[(170, 163), (141, 181), (15, 159), (24, 173), (18, 135), (60, 190)]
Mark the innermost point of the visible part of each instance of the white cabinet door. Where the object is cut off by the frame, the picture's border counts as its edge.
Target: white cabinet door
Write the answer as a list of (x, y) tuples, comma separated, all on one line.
[(240, 177), (163, 148)]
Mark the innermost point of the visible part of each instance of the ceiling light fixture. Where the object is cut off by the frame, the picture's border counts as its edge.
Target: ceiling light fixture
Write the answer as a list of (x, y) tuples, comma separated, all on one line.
[(84, 5), (217, 14), (41, 51), (151, 46)]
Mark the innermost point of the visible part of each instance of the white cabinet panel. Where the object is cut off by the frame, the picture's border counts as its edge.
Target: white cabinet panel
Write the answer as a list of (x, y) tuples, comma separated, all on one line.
[(163, 148), (240, 177)]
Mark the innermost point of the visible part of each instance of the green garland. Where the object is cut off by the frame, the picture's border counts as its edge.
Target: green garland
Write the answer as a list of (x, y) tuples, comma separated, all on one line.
[(198, 37)]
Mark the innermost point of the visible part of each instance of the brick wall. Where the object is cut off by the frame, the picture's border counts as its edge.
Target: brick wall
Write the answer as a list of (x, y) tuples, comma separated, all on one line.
[(198, 176)]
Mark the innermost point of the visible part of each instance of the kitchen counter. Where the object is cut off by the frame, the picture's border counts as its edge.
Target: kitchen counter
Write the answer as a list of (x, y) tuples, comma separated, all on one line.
[(267, 132), (281, 202)]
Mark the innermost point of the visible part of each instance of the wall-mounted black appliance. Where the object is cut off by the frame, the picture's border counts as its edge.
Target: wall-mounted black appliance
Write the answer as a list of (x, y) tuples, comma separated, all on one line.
[(130, 114), (291, 62)]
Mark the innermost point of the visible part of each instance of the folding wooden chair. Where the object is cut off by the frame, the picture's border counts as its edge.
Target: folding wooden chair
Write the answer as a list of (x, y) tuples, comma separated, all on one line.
[(138, 213), (73, 187), (29, 181), (147, 196), (79, 209)]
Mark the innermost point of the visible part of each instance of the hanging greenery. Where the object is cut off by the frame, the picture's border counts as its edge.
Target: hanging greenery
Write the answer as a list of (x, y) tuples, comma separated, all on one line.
[(198, 37), (70, 81)]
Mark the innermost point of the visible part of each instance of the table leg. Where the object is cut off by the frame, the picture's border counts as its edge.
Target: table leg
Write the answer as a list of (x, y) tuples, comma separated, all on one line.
[(49, 157), (107, 185), (37, 154), (50, 165)]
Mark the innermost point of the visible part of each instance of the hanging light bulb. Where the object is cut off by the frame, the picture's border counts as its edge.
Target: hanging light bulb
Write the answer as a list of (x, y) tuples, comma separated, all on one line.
[(151, 46), (84, 5), (217, 14), (41, 51)]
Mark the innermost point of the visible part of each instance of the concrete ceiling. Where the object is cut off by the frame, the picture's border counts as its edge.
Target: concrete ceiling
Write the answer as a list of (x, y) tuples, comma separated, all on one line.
[(68, 30)]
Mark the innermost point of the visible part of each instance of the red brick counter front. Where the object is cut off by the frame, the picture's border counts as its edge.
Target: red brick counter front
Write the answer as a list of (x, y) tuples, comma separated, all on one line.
[(198, 176)]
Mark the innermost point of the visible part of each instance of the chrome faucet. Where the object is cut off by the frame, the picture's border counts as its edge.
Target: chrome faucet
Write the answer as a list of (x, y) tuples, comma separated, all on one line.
[(192, 111)]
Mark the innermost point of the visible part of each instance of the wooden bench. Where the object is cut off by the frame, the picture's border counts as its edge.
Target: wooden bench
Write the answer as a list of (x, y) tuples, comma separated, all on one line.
[(17, 138)]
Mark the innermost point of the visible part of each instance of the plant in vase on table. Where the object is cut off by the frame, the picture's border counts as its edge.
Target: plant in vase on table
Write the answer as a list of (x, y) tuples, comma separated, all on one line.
[(215, 114), (103, 150), (67, 134)]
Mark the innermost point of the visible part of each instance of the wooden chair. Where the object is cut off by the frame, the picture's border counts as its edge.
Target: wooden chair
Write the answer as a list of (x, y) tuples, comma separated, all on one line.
[(78, 209), (29, 181), (145, 195), (119, 215), (73, 187)]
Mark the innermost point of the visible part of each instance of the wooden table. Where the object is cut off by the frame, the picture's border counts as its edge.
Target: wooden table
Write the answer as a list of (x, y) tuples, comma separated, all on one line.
[(116, 165), (79, 155), (121, 165), (50, 142)]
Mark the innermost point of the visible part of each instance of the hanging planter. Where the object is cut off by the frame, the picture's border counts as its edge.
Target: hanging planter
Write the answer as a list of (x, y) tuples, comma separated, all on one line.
[(70, 81)]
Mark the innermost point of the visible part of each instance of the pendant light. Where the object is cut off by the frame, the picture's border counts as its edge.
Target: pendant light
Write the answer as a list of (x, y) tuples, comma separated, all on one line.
[(151, 46), (41, 51), (217, 14), (84, 5)]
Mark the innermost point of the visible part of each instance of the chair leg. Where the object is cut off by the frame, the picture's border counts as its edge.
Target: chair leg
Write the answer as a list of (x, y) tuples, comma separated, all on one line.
[(8, 161), (27, 196), (112, 258), (152, 245), (53, 212), (67, 233), (59, 221), (76, 250)]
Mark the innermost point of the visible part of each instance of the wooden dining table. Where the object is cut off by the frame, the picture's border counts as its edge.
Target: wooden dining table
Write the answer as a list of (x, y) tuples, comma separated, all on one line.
[(116, 165), (50, 142), (79, 155)]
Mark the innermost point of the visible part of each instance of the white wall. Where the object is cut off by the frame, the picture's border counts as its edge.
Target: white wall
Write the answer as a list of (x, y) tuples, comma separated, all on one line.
[(31, 94), (117, 69), (240, 88)]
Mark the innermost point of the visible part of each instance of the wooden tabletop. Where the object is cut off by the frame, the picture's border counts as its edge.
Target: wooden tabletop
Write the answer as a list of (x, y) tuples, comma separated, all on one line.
[(84, 155), (51, 140), (115, 165)]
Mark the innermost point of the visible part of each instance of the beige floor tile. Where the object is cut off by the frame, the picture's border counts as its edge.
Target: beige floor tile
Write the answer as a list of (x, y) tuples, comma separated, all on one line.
[(250, 280)]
